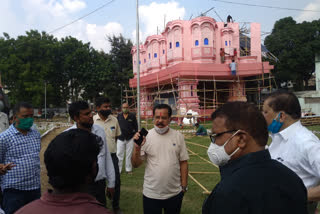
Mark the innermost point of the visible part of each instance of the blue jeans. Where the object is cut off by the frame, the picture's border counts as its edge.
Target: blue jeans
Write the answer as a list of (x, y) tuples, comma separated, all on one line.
[(233, 73), (14, 199)]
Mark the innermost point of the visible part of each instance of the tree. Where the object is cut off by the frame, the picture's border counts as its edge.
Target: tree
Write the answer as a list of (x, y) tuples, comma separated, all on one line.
[(25, 63), (98, 77), (121, 67), (69, 68), (295, 45)]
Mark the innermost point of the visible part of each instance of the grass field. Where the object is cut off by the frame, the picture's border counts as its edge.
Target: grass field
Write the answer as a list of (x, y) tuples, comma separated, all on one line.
[(131, 185)]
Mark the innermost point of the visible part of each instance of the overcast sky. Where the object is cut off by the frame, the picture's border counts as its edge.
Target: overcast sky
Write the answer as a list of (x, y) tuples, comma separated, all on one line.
[(18, 16)]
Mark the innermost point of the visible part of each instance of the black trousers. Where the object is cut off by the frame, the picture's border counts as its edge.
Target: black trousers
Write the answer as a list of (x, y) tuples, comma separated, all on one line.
[(116, 197), (171, 205), (98, 190), (14, 199)]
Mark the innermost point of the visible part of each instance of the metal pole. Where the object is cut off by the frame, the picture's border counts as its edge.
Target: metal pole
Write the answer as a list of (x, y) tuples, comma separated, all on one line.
[(138, 67), (45, 100)]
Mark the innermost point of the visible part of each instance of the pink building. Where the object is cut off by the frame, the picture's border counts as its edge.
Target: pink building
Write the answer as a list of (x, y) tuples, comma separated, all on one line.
[(186, 56)]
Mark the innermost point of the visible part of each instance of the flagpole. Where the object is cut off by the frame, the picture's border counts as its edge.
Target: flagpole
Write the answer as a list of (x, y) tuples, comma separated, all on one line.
[(138, 67)]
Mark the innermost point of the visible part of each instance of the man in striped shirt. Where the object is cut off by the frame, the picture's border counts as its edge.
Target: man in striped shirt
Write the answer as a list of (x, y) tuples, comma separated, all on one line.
[(20, 145)]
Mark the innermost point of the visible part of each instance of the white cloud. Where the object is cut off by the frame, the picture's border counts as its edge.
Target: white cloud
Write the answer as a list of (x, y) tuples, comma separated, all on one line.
[(8, 20), (154, 15), (97, 35), (47, 15), (309, 16), (134, 36), (73, 5)]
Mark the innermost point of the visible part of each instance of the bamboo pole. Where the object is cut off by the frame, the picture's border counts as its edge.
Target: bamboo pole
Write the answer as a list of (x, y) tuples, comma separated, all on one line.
[(227, 80), (204, 173), (206, 191), (158, 85), (173, 92), (270, 83), (196, 162), (215, 92), (126, 96), (196, 144), (202, 158)]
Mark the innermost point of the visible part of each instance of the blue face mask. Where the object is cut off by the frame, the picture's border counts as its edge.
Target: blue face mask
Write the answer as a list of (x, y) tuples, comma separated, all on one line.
[(276, 125)]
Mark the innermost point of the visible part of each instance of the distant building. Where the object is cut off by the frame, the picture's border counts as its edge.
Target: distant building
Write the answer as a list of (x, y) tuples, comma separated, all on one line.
[(310, 100), (184, 63)]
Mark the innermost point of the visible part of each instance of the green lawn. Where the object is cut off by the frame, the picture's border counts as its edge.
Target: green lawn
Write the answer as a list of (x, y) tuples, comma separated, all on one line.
[(131, 185)]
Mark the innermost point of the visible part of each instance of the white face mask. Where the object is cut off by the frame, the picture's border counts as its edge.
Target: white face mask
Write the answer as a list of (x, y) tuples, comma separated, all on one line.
[(217, 154), (161, 130)]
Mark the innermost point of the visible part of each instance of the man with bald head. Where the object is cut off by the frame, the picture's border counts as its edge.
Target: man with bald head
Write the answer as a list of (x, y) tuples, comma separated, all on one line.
[(129, 126), (251, 182)]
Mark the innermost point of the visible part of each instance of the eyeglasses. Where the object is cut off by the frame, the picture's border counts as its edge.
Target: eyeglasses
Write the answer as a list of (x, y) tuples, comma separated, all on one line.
[(214, 136)]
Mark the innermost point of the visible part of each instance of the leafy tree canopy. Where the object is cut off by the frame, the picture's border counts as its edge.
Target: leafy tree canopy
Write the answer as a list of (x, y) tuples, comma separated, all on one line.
[(69, 68), (295, 45)]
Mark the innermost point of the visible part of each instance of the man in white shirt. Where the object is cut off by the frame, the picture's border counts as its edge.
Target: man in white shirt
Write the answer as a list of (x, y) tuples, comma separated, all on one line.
[(293, 144), (111, 127), (166, 172), (81, 113)]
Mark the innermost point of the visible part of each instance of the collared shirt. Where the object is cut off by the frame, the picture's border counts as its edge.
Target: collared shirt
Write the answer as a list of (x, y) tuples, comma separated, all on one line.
[(129, 126), (106, 168), (299, 149), (23, 151), (72, 203), (254, 183), (163, 153), (112, 130)]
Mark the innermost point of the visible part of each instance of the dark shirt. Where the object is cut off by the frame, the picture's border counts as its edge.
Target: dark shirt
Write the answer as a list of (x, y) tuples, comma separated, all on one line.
[(256, 184), (201, 130), (128, 126)]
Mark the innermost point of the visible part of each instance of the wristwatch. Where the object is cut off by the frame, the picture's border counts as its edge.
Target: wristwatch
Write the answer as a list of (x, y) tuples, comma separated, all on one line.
[(184, 188)]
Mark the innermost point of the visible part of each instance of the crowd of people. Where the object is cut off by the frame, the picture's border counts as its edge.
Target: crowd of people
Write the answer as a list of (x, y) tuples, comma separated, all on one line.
[(85, 161)]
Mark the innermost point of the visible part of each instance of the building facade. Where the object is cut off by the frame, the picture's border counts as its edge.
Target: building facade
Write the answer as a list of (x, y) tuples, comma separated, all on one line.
[(183, 66)]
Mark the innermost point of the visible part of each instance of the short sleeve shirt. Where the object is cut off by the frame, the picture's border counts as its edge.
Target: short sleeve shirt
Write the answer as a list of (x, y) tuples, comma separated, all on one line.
[(163, 154), (298, 148), (112, 129), (233, 66)]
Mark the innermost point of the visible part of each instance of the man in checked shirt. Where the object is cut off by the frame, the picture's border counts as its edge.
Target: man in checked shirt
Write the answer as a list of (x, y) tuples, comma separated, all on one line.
[(20, 145)]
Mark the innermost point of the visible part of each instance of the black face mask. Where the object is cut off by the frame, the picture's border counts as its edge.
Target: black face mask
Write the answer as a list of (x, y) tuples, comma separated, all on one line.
[(87, 125), (105, 113)]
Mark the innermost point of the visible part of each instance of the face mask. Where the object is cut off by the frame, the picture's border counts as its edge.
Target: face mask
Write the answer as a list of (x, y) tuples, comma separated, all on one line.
[(125, 111), (105, 113), (25, 123), (161, 130), (217, 154), (276, 125)]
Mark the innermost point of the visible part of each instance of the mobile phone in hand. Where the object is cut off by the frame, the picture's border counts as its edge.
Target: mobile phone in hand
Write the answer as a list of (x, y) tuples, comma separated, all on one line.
[(143, 132)]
